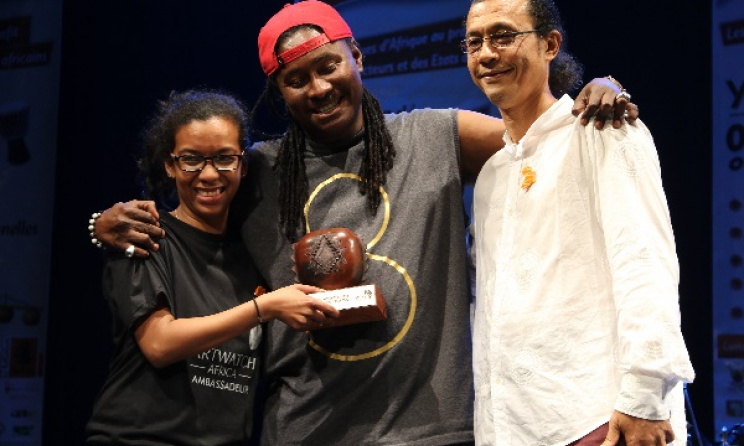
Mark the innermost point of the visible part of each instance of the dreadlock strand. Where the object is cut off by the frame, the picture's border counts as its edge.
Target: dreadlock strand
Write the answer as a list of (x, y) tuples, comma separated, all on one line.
[(379, 151), (293, 185)]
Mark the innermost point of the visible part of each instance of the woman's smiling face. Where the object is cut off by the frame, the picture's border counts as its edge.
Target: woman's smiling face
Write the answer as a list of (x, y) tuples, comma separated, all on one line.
[(205, 195)]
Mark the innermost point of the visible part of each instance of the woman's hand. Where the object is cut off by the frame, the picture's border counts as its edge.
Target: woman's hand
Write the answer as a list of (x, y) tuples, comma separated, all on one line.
[(294, 307)]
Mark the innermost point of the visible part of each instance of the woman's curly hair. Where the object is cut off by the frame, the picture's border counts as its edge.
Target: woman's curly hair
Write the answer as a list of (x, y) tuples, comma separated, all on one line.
[(158, 138)]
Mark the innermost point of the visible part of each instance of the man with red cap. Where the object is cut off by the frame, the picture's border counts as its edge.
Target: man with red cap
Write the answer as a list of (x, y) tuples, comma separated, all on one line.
[(396, 181)]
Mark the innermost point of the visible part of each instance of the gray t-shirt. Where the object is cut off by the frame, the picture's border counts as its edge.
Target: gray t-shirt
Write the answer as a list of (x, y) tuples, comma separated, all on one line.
[(403, 381)]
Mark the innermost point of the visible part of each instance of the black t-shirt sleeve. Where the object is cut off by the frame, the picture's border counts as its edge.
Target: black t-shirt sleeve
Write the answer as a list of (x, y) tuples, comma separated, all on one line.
[(134, 287)]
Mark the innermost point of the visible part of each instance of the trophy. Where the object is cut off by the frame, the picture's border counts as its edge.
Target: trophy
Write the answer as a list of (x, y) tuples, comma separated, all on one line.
[(334, 259)]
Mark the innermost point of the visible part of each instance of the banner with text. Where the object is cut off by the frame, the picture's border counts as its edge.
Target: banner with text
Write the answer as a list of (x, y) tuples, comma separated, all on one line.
[(728, 211), (411, 53), (29, 74), (412, 56)]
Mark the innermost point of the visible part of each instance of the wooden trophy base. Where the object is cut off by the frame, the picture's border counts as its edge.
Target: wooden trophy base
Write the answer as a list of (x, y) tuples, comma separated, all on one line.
[(363, 303)]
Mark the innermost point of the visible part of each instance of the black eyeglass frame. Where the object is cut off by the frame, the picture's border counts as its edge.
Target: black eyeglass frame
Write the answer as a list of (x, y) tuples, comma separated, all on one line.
[(491, 38), (209, 158)]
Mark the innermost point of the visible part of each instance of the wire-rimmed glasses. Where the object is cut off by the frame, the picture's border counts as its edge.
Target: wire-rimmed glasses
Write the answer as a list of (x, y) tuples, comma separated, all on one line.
[(497, 41)]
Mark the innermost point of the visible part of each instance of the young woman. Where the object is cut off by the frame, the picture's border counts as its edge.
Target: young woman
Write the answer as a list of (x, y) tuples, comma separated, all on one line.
[(186, 325)]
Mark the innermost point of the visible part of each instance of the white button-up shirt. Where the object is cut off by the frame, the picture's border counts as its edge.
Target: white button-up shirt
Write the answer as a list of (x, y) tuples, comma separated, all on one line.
[(576, 309)]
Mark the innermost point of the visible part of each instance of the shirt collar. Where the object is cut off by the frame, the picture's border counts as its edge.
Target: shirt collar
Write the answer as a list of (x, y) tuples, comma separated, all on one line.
[(558, 115)]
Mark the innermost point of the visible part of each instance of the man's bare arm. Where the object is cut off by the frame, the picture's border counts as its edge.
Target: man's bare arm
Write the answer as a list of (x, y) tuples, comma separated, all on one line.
[(480, 137)]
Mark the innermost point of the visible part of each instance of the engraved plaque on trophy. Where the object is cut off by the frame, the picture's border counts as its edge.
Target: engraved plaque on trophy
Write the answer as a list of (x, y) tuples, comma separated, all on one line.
[(334, 259)]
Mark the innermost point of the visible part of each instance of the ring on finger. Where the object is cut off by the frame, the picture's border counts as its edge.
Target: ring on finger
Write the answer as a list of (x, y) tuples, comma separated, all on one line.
[(623, 95), (129, 252)]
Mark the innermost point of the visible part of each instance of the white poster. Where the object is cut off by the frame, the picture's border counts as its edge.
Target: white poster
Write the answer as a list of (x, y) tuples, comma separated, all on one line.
[(728, 211), (29, 85)]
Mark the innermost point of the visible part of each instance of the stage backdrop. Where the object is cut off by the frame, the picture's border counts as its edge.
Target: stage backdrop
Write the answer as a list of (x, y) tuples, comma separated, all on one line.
[(728, 211), (416, 45), (29, 74)]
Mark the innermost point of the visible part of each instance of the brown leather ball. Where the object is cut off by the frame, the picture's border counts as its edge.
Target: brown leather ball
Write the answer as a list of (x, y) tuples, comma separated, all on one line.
[(331, 258)]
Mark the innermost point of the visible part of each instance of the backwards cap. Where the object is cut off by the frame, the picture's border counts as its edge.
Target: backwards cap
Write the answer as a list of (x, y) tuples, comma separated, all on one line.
[(308, 12)]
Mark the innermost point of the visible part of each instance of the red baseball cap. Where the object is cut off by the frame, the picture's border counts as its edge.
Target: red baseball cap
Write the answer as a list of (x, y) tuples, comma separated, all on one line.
[(308, 12)]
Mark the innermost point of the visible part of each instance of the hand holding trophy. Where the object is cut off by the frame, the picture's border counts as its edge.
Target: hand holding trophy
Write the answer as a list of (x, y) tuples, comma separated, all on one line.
[(334, 259)]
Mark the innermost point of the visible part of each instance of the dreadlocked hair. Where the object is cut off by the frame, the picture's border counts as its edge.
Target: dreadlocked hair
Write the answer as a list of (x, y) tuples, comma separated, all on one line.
[(378, 151), (290, 165), (293, 186)]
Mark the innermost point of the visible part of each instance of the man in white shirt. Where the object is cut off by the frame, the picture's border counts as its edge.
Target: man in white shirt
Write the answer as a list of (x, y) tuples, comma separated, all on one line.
[(577, 335)]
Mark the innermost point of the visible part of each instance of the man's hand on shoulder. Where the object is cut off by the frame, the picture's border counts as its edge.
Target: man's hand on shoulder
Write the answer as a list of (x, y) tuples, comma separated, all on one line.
[(132, 223), (604, 98)]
